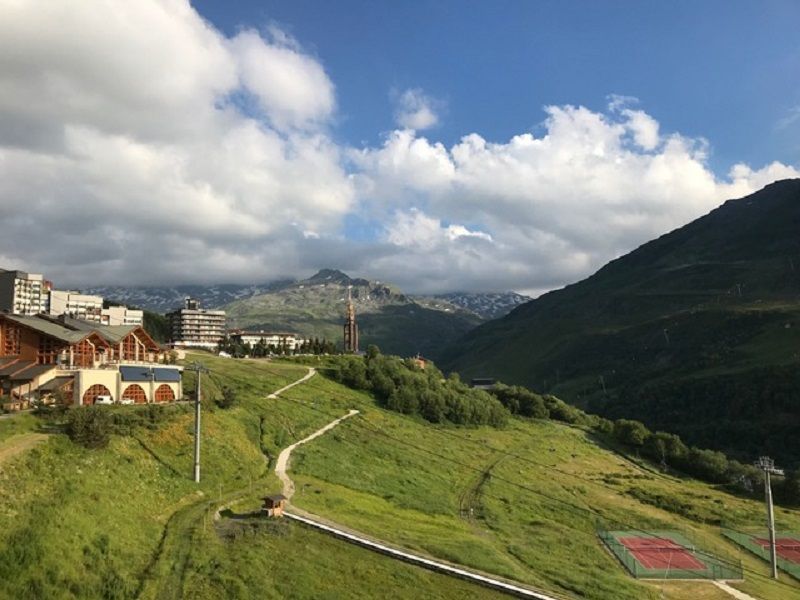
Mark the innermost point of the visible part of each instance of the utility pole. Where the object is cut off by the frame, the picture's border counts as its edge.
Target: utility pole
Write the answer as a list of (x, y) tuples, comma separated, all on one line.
[(766, 464), (199, 369)]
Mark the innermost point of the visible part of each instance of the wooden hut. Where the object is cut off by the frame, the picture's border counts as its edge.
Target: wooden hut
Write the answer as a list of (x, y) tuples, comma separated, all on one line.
[(274, 505)]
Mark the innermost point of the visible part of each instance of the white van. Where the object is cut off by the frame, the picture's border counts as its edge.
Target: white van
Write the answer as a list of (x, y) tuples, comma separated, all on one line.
[(104, 399)]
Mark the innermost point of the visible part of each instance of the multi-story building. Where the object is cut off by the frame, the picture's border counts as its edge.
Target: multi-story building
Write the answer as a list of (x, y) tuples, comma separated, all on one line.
[(121, 315), (23, 293), (291, 341), (78, 362), (76, 305), (195, 327)]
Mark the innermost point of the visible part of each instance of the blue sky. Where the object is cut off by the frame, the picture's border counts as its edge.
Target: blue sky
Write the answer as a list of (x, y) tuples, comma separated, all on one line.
[(728, 71), (442, 146)]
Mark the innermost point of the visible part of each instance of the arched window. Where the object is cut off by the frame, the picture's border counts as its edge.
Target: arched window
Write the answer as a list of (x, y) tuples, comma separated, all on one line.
[(164, 393), (136, 393), (90, 395)]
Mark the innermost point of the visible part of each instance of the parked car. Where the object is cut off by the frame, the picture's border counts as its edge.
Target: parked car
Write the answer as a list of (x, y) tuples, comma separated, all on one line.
[(104, 399), (126, 401)]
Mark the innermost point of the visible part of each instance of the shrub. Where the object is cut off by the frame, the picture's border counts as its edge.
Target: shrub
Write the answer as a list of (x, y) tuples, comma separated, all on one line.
[(89, 426)]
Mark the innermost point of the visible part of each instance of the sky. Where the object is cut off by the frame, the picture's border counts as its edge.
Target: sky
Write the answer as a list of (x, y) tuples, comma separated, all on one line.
[(442, 146)]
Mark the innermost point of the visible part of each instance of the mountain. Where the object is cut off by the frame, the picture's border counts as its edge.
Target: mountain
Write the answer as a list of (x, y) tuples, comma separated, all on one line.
[(164, 299), (485, 305), (397, 323), (696, 332)]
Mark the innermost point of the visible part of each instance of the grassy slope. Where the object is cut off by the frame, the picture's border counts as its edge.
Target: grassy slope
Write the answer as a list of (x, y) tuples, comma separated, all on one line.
[(126, 521), (411, 497), (725, 290), (80, 523)]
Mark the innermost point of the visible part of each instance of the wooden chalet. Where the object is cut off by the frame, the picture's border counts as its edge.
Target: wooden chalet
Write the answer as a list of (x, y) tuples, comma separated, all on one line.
[(46, 358)]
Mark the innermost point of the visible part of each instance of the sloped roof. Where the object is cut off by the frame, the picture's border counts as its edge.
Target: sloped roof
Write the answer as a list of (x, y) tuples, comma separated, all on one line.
[(163, 374), (55, 383), (15, 366), (111, 333), (144, 373), (31, 372), (49, 328)]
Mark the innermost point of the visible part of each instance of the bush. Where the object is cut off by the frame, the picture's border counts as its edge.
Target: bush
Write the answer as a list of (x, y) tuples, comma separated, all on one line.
[(228, 399), (89, 426), (630, 433)]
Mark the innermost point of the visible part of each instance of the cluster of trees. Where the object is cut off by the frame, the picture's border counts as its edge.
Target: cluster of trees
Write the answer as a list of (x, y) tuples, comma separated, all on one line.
[(406, 387), (665, 449), (261, 349)]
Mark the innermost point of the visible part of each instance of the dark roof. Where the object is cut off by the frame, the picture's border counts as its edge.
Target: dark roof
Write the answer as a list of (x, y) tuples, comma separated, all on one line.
[(135, 373), (143, 373), (15, 367), (110, 333), (163, 374), (55, 383), (276, 497), (49, 328), (31, 372)]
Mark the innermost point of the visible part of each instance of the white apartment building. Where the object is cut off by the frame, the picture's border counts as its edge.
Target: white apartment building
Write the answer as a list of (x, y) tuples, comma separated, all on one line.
[(74, 304), (195, 327), (121, 315), (290, 340), (23, 293)]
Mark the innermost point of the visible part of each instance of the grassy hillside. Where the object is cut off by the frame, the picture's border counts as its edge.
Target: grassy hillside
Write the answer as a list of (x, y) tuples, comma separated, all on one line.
[(697, 332), (394, 322), (520, 502)]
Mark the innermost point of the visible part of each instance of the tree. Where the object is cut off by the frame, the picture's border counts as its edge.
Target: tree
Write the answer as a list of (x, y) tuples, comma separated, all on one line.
[(630, 433)]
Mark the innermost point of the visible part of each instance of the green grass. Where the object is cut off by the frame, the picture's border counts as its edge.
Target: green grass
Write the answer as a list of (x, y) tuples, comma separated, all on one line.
[(541, 531), (16, 424), (127, 521)]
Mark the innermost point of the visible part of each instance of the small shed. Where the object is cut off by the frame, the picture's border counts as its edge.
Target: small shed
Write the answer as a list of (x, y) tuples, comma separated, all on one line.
[(274, 505)]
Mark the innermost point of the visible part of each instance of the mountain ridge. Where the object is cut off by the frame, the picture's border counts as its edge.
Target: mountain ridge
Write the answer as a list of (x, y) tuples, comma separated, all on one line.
[(663, 333)]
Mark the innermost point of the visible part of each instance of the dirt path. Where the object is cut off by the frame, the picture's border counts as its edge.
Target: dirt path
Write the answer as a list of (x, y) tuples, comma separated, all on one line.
[(19, 444), (283, 458), (311, 372), (733, 591)]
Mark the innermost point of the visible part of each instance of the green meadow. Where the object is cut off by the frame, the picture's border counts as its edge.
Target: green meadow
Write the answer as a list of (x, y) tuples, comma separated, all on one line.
[(523, 502)]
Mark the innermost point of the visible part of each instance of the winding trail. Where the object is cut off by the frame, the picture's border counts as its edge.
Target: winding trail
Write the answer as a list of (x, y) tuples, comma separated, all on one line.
[(311, 372), (283, 458), (19, 444)]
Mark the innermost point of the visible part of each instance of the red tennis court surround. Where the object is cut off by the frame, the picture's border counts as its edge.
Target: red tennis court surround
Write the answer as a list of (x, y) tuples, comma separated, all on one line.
[(785, 547), (661, 553)]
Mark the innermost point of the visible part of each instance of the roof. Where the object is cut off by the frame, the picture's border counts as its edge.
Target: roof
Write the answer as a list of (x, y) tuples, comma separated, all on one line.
[(144, 373), (49, 328), (55, 383), (31, 372), (276, 497), (15, 366), (110, 333)]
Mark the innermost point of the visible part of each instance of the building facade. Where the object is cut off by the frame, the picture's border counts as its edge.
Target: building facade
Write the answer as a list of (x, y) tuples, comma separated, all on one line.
[(45, 358), (23, 293), (350, 327), (291, 341), (121, 315), (75, 304), (195, 327)]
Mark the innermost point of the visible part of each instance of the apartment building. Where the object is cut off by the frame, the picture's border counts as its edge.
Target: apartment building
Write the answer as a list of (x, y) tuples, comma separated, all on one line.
[(75, 304), (196, 327), (121, 315), (23, 293), (291, 341)]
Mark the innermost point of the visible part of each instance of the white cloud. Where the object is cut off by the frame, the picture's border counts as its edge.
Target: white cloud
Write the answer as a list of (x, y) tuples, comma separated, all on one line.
[(558, 206), (416, 110), (138, 144)]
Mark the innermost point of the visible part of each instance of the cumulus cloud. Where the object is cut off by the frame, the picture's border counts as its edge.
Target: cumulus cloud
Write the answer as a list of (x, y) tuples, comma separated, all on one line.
[(416, 110), (593, 186), (140, 145)]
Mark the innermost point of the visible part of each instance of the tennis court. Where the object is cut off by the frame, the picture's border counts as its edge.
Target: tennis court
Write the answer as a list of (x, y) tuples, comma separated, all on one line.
[(667, 555), (785, 547), (661, 553)]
